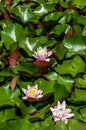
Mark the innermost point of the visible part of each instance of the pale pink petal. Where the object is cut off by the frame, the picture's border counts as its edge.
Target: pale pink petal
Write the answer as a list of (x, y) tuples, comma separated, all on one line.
[(28, 87), (56, 119), (65, 121), (70, 115), (24, 90), (40, 48), (59, 105), (39, 96), (39, 92), (60, 112), (52, 109), (42, 57), (36, 87), (47, 59), (36, 95), (32, 96), (68, 110), (35, 55), (49, 53), (64, 104), (55, 113), (25, 97)]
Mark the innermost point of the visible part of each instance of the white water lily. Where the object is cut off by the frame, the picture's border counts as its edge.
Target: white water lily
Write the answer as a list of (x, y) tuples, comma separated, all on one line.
[(32, 92), (42, 54), (60, 112)]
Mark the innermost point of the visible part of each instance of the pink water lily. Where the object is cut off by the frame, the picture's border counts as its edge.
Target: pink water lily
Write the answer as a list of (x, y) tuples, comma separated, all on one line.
[(42, 54), (32, 92), (60, 112)]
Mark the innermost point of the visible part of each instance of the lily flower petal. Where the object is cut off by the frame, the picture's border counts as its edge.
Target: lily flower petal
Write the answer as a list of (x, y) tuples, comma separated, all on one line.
[(24, 90), (64, 104), (42, 54), (32, 92), (60, 112)]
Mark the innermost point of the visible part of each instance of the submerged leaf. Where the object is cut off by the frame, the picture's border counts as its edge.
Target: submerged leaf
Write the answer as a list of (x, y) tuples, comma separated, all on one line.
[(13, 82), (13, 57)]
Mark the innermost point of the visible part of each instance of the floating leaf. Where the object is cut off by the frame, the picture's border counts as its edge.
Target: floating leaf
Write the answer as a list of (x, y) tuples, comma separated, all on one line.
[(81, 82), (84, 31), (8, 96), (30, 44), (6, 73), (25, 67), (11, 34), (66, 81), (53, 16), (25, 14), (52, 1), (75, 124), (60, 50), (80, 94), (83, 112), (81, 20), (40, 1), (79, 4), (73, 66), (75, 45), (49, 85), (40, 10), (61, 125), (7, 115), (58, 29), (48, 124), (60, 91), (51, 75), (19, 124)]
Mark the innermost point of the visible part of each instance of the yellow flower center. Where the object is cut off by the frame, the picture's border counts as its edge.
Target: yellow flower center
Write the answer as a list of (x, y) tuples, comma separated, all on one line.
[(42, 52), (61, 109), (32, 91)]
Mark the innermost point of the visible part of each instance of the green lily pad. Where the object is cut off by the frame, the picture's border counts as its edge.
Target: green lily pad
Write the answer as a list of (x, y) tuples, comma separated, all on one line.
[(60, 50), (49, 85), (83, 113), (53, 16), (80, 94), (75, 124), (48, 124), (25, 67), (25, 14), (60, 91), (81, 82), (8, 114), (75, 45), (80, 4), (81, 20), (8, 96), (11, 34), (19, 124), (66, 81), (30, 44), (73, 66), (58, 29)]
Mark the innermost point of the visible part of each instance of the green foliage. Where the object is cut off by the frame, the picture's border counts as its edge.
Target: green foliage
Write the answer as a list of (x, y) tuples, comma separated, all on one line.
[(75, 45), (73, 67), (59, 25)]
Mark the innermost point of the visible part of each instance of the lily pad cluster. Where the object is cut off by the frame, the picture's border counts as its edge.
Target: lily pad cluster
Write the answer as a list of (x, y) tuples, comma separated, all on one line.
[(42, 44)]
